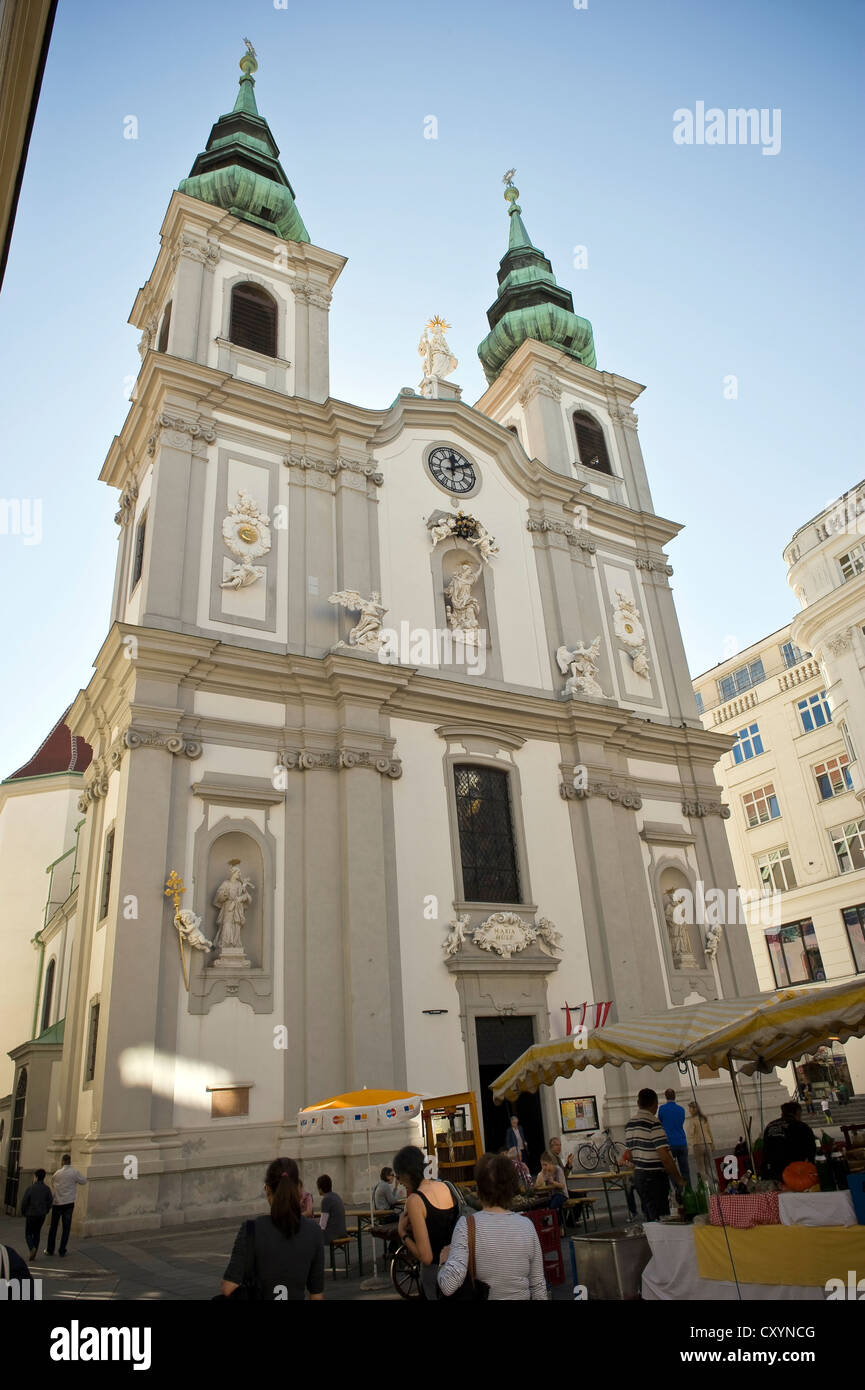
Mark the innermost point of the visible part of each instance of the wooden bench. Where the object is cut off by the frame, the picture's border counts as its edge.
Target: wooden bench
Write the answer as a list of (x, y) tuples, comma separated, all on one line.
[(343, 1245), (583, 1206)]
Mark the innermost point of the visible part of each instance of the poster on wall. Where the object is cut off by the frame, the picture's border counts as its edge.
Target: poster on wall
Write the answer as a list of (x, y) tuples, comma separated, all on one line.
[(579, 1114)]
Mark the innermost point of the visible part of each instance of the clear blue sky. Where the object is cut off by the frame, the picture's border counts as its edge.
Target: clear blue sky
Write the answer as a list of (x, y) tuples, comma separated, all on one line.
[(703, 261)]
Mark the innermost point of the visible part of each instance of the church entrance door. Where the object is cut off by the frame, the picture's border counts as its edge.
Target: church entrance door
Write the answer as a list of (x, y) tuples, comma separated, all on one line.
[(500, 1041)]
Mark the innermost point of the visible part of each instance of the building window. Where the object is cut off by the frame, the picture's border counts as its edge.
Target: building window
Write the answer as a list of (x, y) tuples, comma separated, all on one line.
[(486, 831), (138, 553), (162, 345), (776, 871), (253, 319), (848, 742), (854, 921), (792, 655), (48, 994), (591, 444), (748, 744), (849, 845), (227, 1101), (853, 562), (92, 1039), (794, 953), (743, 679), (698, 697), (108, 857), (761, 805), (833, 777), (814, 712)]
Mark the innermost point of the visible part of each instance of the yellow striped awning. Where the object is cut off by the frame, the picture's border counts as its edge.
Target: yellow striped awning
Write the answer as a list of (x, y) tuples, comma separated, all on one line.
[(763, 1031)]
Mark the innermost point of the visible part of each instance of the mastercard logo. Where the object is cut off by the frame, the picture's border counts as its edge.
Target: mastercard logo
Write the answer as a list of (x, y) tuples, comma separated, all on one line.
[(339, 1119), (390, 1112)]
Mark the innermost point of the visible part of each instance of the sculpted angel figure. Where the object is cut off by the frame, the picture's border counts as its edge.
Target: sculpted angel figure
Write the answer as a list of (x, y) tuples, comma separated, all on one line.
[(463, 609), (231, 898), (580, 664), (438, 360), (188, 923), (244, 573), (457, 936), (367, 632)]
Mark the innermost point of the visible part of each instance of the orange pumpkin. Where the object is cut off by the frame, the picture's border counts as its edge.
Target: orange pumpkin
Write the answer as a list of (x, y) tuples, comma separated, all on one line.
[(800, 1177)]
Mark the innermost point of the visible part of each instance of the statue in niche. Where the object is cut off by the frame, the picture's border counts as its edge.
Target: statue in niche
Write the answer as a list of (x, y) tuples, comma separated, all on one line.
[(677, 929), (580, 664), (231, 898), (463, 609)]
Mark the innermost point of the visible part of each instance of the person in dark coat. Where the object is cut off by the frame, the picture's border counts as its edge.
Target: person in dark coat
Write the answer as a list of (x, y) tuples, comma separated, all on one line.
[(787, 1140), (35, 1206)]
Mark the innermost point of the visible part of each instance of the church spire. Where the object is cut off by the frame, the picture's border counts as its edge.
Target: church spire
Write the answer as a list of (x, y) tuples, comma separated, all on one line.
[(239, 169), (530, 303)]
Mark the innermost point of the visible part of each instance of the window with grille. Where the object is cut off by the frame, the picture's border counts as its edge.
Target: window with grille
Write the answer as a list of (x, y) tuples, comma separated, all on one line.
[(748, 744), (833, 777), (138, 554), (814, 712), (92, 1038), (162, 345), (794, 953), (48, 994), (253, 319), (743, 679), (848, 842), (854, 921), (486, 831), (761, 805), (776, 871), (698, 697), (792, 654), (591, 444), (853, 562), (105, 892)]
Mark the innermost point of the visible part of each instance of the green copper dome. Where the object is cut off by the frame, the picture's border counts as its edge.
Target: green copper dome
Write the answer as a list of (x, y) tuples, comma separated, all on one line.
[(530, 303), (240, 170)]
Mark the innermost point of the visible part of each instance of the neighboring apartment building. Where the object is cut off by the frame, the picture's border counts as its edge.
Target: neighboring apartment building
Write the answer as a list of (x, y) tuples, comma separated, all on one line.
[(795, 703)]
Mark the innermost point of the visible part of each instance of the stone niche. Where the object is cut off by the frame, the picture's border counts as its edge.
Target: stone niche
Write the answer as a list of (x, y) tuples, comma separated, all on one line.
[(241, 840), (688, 970)]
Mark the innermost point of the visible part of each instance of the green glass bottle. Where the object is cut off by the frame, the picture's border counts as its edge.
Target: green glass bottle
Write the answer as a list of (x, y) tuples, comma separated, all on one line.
[(702, 1196), (689, 1201)]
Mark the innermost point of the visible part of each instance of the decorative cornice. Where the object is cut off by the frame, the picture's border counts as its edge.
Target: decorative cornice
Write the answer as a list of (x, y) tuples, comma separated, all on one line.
[(621, 795), (652, 563), (99, 771), (561, 528), (312, 293), (306, 760), (334, 467), (705, 808), (126, 510), (540, 385), (201, 434)]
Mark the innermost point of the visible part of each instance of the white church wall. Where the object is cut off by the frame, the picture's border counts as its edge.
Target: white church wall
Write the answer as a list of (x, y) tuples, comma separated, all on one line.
[(239, 708), (435, 1056), (409, 495), (132, 602)]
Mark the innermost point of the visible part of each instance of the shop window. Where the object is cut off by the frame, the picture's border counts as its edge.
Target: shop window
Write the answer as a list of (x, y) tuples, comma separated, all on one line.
[(794, 953)]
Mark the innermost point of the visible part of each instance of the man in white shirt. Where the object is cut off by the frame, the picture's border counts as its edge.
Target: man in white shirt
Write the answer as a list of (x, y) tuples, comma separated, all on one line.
[(64, 1182)]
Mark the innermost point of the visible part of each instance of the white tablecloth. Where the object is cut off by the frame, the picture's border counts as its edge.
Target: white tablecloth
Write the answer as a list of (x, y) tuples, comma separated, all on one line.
[(816, 1209), (671, 1275)]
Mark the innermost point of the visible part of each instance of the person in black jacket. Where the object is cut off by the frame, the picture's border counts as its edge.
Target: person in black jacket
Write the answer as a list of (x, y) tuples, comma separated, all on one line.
[(787, 1140), (35, 1206)]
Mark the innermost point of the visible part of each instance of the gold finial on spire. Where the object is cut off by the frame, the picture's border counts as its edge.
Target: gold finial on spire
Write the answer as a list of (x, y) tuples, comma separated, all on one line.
[(249, 61), (511, 191)]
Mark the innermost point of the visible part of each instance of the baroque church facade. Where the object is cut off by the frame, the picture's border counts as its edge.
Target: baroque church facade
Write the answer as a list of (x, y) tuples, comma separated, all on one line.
[(400, 700)]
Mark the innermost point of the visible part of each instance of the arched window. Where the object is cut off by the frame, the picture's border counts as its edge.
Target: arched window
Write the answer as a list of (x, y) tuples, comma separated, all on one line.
[(48, 994), (591, 444), (486, 830), (253, 319), (162, 345)]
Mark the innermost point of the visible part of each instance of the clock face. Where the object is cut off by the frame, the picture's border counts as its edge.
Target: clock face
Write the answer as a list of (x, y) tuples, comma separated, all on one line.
[(451, 470)]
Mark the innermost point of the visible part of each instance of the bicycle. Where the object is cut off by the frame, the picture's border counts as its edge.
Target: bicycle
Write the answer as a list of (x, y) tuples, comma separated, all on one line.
[(405, 1273), (590, 1155)]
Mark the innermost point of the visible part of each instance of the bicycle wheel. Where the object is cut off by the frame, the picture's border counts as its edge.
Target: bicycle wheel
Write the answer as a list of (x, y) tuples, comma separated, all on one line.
[(587, 1157), (615, 1154), (405, 1274)]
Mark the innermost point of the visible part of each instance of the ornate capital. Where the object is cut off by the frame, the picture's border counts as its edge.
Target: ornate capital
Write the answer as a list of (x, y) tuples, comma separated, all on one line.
[(95, 784), (201, 434), (653, 564), (570, 790), (624, 414), (134, 738), (840, 642), (148, 336), (194, 249), (697, 809), (540, 385), (334, 467), (128, 498), (561, 528), (311, 293), (306, 760)]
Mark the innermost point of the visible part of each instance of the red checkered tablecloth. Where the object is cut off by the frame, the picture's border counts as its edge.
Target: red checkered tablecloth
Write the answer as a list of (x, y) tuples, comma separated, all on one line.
[(746, 1209)]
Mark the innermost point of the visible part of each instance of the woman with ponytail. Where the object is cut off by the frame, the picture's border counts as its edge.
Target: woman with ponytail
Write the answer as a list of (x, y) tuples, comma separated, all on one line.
[(282, 1253)]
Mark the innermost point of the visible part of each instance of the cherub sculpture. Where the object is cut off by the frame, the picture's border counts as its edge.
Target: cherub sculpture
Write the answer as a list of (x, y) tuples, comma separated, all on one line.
[(367, 633), (188, 923), (582, 664)]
